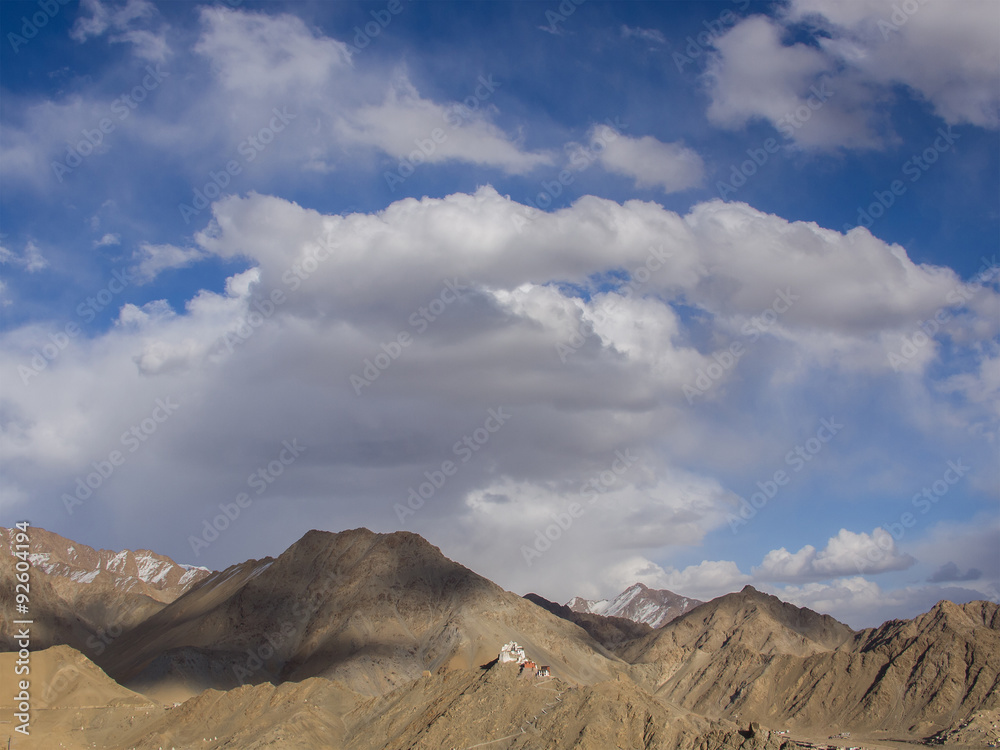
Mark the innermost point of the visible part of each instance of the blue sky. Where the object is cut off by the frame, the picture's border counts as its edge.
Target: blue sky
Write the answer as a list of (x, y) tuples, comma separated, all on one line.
[(632, 227)]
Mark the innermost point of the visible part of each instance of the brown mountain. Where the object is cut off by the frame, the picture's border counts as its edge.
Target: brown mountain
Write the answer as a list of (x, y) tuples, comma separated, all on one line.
[(753, 656), (112, 591), (373, 611), (517, 710), (498, 705), (367, 641), (64, 678), (54, 619)]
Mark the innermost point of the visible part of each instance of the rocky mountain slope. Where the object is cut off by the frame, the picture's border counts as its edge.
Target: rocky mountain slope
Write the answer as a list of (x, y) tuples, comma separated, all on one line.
[(611, 632), (367, 641), (753, 656), (502, 705), (639, 603), (371, 610), (55, 621), (498, 706), (110, 590)]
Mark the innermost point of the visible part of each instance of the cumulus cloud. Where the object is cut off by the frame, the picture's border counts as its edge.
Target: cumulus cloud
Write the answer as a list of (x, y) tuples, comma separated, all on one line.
[(568, 323), (916, 47), (828, 94), (670, 166), (845, 554)]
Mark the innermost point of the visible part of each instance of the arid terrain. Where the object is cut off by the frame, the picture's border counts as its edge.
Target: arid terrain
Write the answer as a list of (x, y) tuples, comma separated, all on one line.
[(367, 641)]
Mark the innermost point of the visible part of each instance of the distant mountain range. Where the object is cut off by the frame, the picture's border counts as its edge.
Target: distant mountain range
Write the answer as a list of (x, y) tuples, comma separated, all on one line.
[(654, 607), (80, 595), (369, 641)]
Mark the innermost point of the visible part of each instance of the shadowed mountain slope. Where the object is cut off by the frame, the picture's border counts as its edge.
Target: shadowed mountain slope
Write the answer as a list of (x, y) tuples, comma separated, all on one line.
[(371, 610)]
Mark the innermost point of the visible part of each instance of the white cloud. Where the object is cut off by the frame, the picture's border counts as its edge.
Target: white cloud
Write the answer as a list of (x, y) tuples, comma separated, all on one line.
[(981, 386), (156, 258), (251, 369), (670, 166), (730, 260), (108, 239), (405, 125), (121, 20), (846, 554), (259, 65), (947, 53), (829, 95), (30, 259), (262, 55)]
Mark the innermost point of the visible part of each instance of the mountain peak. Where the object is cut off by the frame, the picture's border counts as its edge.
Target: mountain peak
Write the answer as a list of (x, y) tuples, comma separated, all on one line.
[(639, 603)]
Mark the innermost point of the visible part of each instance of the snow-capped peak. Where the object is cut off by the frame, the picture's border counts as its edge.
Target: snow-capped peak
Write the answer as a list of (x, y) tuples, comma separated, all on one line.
[(639, 604)]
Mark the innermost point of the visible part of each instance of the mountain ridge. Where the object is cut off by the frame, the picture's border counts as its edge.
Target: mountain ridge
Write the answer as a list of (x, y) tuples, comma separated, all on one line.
[(638, 603), (377, 641), (371, 610)]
